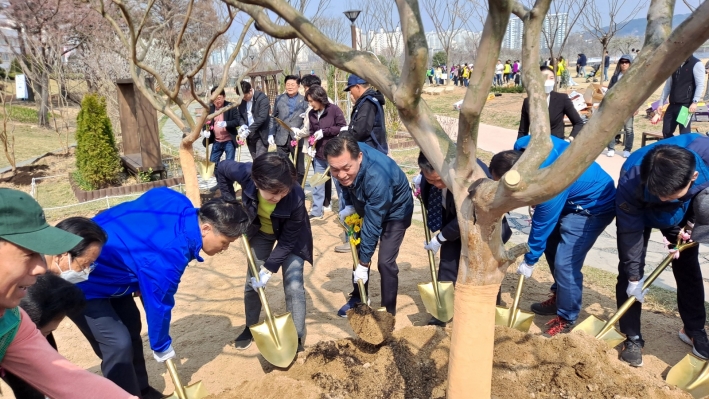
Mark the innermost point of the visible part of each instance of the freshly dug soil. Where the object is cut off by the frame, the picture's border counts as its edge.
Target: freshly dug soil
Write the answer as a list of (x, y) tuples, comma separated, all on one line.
[(413, 364), (372, 326)]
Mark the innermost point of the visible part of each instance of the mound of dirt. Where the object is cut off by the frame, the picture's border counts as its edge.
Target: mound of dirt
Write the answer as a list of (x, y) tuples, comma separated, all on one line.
[(372, 326), (413, 364)]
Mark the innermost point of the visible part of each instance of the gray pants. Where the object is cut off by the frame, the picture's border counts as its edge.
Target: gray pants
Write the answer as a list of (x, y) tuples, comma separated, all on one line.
[(256, 146), (292, 270), (629, 136)]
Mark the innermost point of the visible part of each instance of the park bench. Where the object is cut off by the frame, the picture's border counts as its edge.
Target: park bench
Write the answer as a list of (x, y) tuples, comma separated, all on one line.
[(650, 136)]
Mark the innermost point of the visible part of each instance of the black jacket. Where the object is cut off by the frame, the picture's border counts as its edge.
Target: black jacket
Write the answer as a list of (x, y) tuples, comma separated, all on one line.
[(683, 85), (260, 110), (559, 105), (231, 117), (450, 227), (291, 224), (367, 123)]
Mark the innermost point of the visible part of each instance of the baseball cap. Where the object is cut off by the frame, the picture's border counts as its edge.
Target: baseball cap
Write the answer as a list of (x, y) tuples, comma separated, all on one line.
[(700, 231), (22, 223), (354, 80)]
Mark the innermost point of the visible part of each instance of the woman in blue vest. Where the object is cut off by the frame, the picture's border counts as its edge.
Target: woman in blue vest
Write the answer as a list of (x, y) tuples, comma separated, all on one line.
[(151, 240)]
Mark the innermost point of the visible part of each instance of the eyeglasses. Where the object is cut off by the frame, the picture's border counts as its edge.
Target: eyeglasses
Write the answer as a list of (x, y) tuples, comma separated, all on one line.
[(624, 62)]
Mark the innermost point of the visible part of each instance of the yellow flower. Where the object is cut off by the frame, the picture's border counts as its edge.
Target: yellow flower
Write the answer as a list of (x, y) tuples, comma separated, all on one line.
[(357, 228)]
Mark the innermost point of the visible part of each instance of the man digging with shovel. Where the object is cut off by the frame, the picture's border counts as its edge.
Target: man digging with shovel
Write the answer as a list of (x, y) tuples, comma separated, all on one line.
[(564, 229), (656, 186), (377, 189)]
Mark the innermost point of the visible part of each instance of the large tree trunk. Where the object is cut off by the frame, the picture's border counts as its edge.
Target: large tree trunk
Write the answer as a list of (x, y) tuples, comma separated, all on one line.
[(43, 106)]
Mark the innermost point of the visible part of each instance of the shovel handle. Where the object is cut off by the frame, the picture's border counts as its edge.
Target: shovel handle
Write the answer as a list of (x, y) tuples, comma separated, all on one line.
[(270, 321), (431, 258), (172, 370), (305, 175), (648, 282), (238, 155), (355, 262), (515, 302)]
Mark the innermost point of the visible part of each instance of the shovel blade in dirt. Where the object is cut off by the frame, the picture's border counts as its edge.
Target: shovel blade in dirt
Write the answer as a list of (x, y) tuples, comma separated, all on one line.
[(598, 328), (692, 375), (206, 170), (514, 317), (194, 391), (273, 342), (441, 306)]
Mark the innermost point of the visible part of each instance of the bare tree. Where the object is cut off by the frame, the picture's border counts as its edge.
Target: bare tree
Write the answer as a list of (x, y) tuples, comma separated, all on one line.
[(555, 33), (7, 134), (481, 202), (624, 44), (381, 31), (594, 21), (449, 18)]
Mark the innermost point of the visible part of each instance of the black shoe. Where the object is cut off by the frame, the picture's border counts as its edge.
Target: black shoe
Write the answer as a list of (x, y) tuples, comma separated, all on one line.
[(559, 325), (311, 217), (435, 322), (546, 308), (632, 353), (301, 348), (151, 393), (698, 341), (244, 340)]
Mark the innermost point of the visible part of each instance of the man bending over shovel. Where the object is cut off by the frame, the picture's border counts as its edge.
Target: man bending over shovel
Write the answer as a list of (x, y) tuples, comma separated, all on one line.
[(375, 188), (443, 217), (151, 240), (656, 185), (280, 234), (564, 229)]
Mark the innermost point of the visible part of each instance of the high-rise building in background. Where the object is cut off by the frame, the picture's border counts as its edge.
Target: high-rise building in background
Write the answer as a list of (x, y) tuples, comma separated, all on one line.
[(556, 24)]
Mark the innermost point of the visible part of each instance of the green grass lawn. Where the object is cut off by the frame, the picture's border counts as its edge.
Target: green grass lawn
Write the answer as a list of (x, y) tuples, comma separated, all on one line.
[(32, 141)]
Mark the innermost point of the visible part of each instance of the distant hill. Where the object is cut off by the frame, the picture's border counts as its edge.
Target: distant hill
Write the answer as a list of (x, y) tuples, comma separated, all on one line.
[(636, 27)]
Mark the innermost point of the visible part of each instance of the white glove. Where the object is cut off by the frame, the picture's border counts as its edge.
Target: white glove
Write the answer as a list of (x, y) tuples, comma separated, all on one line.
[(360, 273), (297, 133), (221, 124), (344, 128), (263, 275), (205, 134), (270, 140), (635, 288), (244, 134), (435, 243), (349, 210), (525, 269), (311, 152), (417, 182), (318, 135), (167, 354)]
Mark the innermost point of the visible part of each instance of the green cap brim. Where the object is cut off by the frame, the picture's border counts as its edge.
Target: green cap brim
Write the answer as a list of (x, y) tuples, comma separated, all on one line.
[(49, 240)]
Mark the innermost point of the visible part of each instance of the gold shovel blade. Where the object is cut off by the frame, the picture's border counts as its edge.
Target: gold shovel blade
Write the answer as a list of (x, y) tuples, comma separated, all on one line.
[(593, 326), (206, 170), (442, 311), (692, 375), (194, 391), (522, 322), (279, 344), (318, 179)]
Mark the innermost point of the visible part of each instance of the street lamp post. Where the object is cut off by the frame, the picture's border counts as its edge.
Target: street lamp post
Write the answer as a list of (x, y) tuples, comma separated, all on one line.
[(352, 16)]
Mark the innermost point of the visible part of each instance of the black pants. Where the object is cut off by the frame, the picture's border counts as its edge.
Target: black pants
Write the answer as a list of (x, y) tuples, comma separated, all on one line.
[(669, 121), (22, 389), (256, 146), (300, 162), (112, 327), (450, 261), (690, 289), (389, 244)]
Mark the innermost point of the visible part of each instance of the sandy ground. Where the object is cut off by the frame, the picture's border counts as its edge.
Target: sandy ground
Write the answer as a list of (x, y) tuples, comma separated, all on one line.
[(209, 313)]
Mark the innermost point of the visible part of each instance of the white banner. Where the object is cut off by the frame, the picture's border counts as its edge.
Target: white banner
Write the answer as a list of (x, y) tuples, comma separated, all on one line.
[(21, 87)]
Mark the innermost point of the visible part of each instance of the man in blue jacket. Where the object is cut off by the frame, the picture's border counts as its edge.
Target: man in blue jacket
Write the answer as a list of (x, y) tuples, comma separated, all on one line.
[(656, 186), (280, 234), (564, 229), (375, 188), (151, 240)]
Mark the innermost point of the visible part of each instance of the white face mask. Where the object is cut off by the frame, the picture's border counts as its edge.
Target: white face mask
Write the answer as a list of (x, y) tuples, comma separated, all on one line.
[(548, 86), (71, 275)]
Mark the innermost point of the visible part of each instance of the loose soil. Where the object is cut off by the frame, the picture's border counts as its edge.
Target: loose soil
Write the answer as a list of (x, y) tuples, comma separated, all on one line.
[(372, 326)]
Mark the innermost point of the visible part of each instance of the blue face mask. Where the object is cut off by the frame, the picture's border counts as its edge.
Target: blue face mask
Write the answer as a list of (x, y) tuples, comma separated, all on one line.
[(71, 275)]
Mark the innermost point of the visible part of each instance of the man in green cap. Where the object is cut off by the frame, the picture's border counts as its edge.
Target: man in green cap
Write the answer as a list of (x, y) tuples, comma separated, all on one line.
[(25, 237)]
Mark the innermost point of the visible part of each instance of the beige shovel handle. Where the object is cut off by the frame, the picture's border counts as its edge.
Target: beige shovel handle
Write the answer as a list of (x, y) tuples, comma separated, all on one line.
[(307, 169), (648, 282), (270, 321), (172, 370), (355, 262), (515, 302), (431, 258)]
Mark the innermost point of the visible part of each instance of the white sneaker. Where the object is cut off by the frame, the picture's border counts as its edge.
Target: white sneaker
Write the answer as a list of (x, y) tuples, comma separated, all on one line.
[(626, 154), (329, 208), (610, 153)]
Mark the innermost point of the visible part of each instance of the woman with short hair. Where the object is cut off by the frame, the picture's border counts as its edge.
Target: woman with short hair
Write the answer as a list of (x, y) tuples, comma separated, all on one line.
[(326, 120)]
